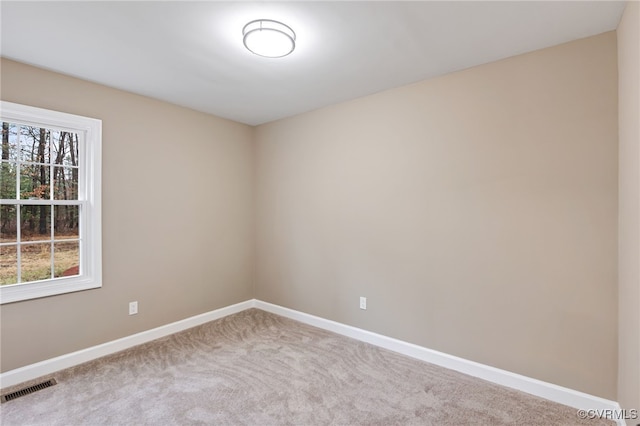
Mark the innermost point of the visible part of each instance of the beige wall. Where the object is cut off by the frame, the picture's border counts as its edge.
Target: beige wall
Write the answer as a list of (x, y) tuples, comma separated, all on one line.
[(177, 225), (476, 211), (629, 208)]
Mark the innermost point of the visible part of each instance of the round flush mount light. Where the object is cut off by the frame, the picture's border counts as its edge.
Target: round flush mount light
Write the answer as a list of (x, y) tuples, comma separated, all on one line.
[(268, 38)]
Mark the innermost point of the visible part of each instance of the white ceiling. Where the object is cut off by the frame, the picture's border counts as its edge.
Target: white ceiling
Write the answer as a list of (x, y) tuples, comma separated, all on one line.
[(191, 53)]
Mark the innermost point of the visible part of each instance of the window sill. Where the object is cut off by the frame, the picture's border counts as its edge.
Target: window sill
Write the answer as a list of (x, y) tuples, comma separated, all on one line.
[(34, 290)]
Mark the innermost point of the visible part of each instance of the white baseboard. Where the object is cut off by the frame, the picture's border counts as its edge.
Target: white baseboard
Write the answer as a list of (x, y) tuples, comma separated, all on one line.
[(559, 394), (552, 392), (47, 367)]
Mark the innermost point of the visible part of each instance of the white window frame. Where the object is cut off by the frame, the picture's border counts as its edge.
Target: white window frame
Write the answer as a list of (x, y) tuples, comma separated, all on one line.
[(89, 196)]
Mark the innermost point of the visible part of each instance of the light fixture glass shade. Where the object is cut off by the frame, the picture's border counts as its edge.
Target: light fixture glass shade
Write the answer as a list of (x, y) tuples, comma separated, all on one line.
[(269, 38)]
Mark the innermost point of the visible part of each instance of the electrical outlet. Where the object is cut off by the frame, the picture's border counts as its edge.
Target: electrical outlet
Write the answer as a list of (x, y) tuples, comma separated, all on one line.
[(133, 308), (363, 303)]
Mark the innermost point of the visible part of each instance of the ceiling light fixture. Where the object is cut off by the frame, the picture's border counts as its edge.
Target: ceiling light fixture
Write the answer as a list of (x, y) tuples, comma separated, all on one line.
[(268, 38)]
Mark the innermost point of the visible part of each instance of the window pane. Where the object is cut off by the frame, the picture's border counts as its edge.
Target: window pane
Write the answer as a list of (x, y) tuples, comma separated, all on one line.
[(35, 262), (66, 258), (8, 180), (65, 183), (66, 222), (8, 265), (34, 182), (35, 223), (65, 148), (34, 144), (10, 141), (8, 231)]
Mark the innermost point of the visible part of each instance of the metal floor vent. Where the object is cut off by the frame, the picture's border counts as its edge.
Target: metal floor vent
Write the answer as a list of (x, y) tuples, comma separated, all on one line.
[(26, 391)]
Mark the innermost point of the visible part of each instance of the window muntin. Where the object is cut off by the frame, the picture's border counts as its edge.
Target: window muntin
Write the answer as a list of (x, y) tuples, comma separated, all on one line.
[(50, 231)]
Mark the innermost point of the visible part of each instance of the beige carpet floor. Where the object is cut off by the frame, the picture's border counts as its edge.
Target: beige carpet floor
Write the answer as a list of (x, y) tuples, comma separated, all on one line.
[(256, 368)]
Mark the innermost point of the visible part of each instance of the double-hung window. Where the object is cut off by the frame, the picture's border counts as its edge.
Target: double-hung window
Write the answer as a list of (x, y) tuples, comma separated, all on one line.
[(50, 214)]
